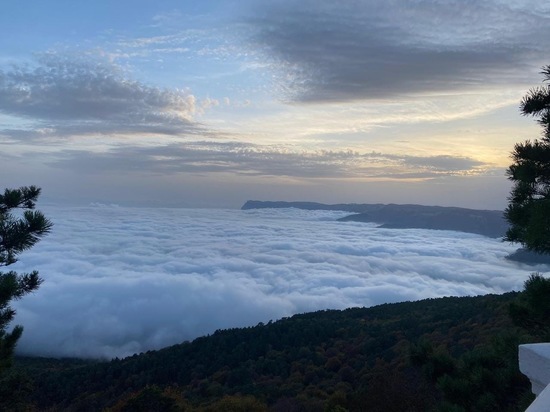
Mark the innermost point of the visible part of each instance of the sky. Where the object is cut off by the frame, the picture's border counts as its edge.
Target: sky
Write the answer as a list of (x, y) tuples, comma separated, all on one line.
[(145, 278), (212, 103)]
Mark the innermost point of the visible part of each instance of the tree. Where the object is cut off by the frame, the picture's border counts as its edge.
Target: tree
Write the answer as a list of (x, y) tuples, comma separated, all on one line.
[(20, 228), (528, 211), (531, 311)]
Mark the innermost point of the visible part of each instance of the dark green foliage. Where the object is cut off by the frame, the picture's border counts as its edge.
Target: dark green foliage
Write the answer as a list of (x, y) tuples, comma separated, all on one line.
[(486, 378), (531, 311), (17, 234), (528, 211), (15, 391), (483, 379), (236, 404), (463, 356), (150, 399)]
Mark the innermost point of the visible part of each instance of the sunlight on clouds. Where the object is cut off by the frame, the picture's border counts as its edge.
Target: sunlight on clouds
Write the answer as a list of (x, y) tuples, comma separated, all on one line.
[(305, 123), (436, 125)]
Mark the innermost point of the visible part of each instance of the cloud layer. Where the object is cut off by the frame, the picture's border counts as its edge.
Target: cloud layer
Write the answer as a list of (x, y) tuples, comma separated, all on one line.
[(265, 160), (124, 280)]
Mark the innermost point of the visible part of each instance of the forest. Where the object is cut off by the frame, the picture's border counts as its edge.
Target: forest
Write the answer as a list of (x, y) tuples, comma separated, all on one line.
[(445, 354)]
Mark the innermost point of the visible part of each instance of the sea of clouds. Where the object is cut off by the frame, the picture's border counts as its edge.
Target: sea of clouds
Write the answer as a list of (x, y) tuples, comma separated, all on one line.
[(125, 280)]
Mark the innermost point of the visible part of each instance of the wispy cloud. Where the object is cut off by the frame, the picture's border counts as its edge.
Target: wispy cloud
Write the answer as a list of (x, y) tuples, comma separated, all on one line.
[(265, 160)]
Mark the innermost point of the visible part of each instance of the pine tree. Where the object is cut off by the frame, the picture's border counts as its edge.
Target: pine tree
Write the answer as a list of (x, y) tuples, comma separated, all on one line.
[(531, 310), (20, 228), (528, 211)]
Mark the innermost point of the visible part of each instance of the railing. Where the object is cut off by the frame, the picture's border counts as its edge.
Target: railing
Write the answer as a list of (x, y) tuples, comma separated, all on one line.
[(534, 362)]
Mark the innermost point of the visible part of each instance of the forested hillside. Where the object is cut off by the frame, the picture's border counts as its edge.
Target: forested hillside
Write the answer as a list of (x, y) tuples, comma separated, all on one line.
[(455, 354)]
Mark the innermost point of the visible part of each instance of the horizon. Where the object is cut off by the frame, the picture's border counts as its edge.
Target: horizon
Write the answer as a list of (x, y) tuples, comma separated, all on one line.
[(49, 203), (164, 104)]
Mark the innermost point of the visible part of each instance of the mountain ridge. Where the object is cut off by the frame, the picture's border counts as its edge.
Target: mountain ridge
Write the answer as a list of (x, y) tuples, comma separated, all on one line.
[(490, 223)]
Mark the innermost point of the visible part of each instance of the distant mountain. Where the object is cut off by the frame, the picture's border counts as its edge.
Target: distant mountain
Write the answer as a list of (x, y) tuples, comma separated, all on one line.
[(346, 207), (489, 223), (528, 257)]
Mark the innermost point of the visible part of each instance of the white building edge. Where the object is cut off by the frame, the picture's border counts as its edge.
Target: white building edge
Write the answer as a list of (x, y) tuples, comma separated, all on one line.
[(534, 362)]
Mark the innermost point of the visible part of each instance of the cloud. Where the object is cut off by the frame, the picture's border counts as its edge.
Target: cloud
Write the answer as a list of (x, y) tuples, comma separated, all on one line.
[(264, 160), (326, 51), (443, 162), (123, 280), (65, 95)]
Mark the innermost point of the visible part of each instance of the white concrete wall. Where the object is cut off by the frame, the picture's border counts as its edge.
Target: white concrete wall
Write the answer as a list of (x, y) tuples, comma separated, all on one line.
[(534, 362)]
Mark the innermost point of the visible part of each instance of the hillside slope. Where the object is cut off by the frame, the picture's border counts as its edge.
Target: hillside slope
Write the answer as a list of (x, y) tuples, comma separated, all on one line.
[(379, 358)]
